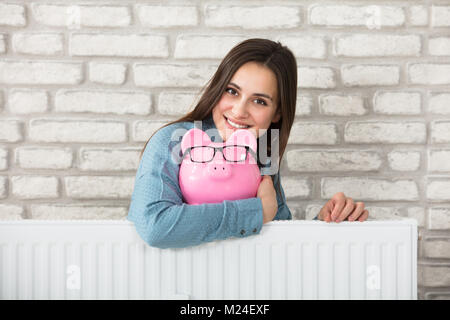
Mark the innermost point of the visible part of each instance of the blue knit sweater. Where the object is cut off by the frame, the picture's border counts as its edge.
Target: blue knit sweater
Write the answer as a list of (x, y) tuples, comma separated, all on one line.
[(161, 217)]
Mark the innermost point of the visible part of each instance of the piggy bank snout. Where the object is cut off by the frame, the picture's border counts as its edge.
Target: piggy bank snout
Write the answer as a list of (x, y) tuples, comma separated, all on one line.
[(219, 170)]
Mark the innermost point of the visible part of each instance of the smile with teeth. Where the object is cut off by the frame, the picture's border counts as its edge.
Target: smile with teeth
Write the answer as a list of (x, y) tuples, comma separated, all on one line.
[(235, 125)]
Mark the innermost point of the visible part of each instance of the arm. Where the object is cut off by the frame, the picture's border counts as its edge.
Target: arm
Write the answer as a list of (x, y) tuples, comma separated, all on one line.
[(163, 220)]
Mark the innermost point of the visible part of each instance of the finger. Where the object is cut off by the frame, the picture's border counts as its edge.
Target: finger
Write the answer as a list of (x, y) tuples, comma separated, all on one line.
[(348, 209), (364, 216), (357, 212), (325, 212), (339, 203)]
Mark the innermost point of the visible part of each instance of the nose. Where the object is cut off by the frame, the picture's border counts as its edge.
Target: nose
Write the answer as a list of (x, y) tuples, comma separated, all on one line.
[(218, 168), (240, 109)]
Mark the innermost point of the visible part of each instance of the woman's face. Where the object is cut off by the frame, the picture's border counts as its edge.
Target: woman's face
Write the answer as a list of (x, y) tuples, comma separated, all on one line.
[(249, 101)]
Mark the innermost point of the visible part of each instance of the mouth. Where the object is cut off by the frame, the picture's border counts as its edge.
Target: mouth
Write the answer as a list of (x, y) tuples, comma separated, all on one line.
[(234, 125)]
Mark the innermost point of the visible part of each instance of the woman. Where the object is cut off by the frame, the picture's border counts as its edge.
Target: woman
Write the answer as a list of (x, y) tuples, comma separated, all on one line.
[(254, 88)]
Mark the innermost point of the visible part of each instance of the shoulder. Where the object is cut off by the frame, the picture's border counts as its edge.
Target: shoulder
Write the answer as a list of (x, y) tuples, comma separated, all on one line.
[(167, 133)]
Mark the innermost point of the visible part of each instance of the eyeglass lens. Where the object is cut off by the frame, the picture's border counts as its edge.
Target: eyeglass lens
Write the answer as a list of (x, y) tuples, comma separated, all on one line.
[(230, 153)]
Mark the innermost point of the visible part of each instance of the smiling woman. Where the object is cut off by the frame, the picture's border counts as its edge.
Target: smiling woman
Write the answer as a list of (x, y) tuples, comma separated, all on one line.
[(254, 88)]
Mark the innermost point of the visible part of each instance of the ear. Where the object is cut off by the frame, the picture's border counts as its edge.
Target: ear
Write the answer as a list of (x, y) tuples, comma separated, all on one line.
[(194, 137), (244, 138)]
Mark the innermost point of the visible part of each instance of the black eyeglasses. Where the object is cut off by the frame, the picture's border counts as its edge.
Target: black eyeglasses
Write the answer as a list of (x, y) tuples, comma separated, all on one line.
[(202, 154)]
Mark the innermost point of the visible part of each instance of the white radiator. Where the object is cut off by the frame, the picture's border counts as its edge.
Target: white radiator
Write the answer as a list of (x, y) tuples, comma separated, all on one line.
[(287, 260)]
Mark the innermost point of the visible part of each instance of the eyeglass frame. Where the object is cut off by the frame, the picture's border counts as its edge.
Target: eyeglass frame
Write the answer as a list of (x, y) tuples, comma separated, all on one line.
[(247, 150)]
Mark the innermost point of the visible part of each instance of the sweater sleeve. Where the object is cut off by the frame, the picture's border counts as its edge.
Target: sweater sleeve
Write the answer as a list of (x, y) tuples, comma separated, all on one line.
[(163, 220)]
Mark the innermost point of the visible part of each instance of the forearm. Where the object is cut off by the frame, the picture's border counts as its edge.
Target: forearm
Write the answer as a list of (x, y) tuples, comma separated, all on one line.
[(165, 225)]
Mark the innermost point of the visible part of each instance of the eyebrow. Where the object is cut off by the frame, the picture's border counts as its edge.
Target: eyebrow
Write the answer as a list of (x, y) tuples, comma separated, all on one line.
[(255, 94)]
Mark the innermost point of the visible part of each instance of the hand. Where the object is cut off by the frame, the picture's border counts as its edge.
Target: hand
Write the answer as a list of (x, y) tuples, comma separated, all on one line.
[(339, 208), (267, 194)]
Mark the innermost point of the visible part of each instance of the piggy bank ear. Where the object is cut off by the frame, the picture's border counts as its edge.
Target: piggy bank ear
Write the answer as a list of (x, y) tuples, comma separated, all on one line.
[(243, 138), (194, 137)]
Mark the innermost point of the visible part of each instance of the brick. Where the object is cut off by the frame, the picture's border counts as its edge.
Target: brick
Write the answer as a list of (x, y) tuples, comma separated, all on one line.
[(98, 101), (296, 187), (172, 75), (370, 75), (28, 101), (429, 73), (144, 129), (376, 45), (38, 43), (303, 105), (119, 45), (3, 159), (44, 158), (307, 47), (316, 77), (76, 16), (440, 132), (313, 133), (418, 15), (435, 247), (438, 189), (108, 159), (404, 160), (384, 132), (107, 73), (204, 46), (176, 103), (332, 160), (12, 15), (341, 105), (439, 160), (11, 212), (383, 213), (439, 218), (417, 213), (397, 103), (89, 131), (370, 189), (3, 187), (435, 276), (77, 212), (372, 17), (168, 16), (435, 296), (438, 103), (40, 72), (35, 187), (99, 187), (252, 17), (439, 46), (10, 131), (440, 16)]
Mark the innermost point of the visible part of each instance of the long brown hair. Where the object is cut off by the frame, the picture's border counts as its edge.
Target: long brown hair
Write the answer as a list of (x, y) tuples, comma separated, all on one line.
[(273, 55)]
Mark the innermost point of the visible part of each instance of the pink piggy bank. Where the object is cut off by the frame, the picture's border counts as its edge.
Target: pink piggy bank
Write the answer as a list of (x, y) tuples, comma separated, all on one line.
[(213, 172)]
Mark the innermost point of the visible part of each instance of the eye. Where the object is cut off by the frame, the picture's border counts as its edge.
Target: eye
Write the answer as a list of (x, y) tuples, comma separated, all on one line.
[(231, 91), (262, 102)]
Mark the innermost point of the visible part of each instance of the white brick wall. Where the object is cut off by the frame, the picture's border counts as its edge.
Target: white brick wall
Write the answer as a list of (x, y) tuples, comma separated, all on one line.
[(83, 85)]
